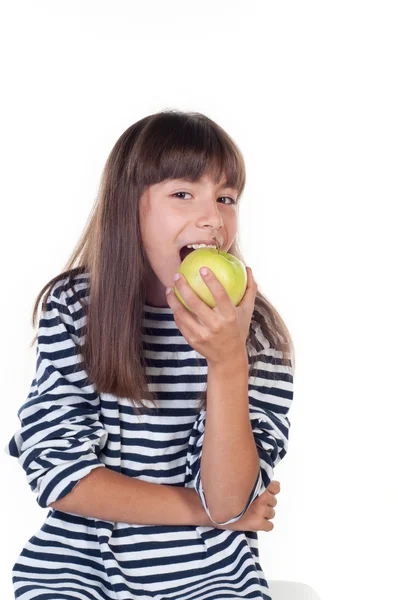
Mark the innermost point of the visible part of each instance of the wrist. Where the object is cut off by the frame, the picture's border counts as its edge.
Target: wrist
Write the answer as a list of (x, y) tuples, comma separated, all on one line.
[(199, 516), (231, 364)]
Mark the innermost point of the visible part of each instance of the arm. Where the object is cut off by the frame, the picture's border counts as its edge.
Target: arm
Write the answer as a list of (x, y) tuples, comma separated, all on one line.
[(230, 461), (62, 435), (270, 395), (106, 494)]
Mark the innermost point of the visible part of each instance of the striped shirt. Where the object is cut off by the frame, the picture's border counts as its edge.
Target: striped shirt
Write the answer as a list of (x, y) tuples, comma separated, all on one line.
[(67, 430)]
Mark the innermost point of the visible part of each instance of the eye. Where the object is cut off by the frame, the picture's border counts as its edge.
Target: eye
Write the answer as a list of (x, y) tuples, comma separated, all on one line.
[(228, 197)]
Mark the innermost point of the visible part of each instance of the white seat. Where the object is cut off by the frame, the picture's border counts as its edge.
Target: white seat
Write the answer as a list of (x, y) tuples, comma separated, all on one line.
[(291, 590)]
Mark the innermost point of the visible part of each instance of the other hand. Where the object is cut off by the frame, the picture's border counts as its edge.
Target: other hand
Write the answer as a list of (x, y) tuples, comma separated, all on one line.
[(259, 514)]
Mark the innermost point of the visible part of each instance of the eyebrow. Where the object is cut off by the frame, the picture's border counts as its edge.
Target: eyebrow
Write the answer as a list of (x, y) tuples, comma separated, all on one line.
[(221, 185)]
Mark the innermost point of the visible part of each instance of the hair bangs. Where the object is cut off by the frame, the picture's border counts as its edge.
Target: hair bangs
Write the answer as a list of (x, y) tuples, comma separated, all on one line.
[(187, 146)]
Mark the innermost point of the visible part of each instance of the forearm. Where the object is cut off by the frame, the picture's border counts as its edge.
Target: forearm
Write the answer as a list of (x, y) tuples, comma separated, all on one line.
[(105, 494), (230, 461)]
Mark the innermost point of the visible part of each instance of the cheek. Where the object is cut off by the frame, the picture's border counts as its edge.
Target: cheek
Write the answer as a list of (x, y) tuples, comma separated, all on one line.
[(152, 234)]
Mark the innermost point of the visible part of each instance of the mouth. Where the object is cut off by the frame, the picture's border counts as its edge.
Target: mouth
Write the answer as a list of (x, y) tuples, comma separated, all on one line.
[(184, 251)]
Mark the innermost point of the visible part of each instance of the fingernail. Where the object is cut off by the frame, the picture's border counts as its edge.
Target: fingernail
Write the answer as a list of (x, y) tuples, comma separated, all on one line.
[(168, 290), (176, 276), (203, 271)]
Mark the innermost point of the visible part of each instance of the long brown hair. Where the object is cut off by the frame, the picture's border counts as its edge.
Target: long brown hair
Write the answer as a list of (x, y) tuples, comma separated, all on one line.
[(169, 144)]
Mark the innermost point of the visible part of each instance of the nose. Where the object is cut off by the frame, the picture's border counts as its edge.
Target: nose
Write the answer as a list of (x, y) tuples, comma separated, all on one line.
[(210, 216)]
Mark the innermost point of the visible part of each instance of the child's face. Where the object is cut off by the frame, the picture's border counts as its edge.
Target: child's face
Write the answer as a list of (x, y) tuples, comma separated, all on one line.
[(170, 221)]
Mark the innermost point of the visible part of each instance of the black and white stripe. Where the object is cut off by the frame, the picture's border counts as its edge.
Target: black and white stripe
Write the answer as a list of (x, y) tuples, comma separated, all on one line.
[(67, 429)]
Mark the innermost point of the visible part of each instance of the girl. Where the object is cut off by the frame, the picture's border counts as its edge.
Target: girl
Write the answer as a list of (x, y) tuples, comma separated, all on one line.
[(113, 437)]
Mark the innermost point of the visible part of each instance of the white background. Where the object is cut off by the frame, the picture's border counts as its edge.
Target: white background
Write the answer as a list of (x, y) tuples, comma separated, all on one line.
[(309, 92)]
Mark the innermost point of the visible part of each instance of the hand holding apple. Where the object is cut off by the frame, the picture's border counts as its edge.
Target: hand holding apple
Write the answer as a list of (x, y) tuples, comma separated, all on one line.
[(229, 270), (218, 333)]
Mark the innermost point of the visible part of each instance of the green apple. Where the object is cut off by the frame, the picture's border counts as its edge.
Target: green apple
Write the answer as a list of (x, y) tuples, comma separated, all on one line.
[(229, 270)]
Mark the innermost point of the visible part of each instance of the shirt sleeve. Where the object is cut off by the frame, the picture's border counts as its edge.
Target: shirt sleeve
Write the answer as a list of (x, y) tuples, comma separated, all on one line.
[(61, 433), (270, 395)]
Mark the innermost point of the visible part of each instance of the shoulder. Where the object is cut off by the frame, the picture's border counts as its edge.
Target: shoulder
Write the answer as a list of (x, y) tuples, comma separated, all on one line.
[(65, 303), (70, 290)]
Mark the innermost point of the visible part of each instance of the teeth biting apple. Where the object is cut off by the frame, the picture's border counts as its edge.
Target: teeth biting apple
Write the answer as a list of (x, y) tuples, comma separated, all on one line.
[(188, 248)]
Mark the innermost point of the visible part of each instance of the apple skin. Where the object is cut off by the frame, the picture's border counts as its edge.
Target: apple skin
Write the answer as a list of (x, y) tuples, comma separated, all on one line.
[(229, 270)]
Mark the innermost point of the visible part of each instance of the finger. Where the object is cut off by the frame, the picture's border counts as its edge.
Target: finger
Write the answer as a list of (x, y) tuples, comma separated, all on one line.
[(185, 320), (251, 283), (219, 293), (251, 289), (268, 525), (274, 486), (195, 303), (273, 491)]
